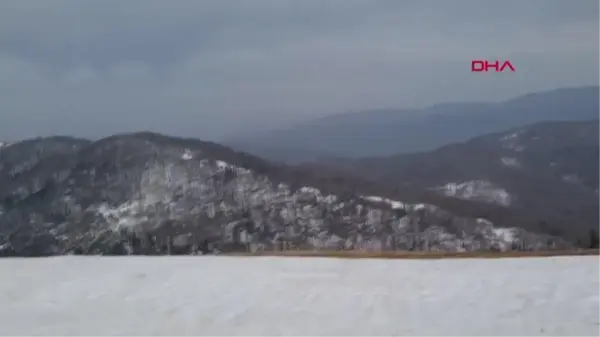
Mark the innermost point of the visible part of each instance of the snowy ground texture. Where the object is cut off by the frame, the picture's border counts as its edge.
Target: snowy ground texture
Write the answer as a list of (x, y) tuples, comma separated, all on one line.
[(198, 295)]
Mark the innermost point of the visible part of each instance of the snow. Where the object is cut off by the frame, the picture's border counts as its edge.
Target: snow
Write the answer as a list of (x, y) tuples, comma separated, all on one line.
[(373, 198), (308, 189), (187, 155), (222, 165), (477, 190), (510, 141), (510, 161), (199, 295), (394, 204), (505, 234), (125, 215), (419, 207), (510, 136)]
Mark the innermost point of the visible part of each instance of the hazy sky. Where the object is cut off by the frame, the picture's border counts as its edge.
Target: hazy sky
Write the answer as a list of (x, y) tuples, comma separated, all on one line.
[(209, 69)]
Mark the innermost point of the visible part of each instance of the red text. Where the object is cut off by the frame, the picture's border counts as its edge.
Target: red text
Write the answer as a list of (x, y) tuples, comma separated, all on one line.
[(484, 66)]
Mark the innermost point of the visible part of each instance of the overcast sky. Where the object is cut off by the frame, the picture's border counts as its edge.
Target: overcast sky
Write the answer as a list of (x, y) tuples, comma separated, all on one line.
[(210, 69)]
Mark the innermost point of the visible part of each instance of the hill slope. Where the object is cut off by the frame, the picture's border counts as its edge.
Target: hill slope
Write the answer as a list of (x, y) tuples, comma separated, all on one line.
[(546, 171), (146, 193), (388, 132)]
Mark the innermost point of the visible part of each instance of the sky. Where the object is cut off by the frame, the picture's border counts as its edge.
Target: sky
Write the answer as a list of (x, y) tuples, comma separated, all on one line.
[(218, 69)]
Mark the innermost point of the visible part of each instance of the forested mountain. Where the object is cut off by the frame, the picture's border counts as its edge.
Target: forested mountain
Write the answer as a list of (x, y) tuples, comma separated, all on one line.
[(146, 193), (548, 172)]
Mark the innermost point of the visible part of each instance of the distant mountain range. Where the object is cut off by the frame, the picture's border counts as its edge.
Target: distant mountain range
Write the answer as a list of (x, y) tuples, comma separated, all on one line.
[(528, 187), (388, 132)]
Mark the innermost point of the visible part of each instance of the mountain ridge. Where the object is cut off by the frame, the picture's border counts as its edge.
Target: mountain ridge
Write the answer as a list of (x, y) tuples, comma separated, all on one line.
[(547, 168), (390, 131), (146, 193)]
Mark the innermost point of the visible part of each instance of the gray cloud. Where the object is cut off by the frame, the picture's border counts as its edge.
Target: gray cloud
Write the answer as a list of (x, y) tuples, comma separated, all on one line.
[(211, 69)]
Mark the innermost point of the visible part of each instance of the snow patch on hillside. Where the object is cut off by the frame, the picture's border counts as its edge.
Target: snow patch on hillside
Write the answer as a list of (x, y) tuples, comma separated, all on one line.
[(222, 166), (510, 162), (505, 234), (392, 203), (126, 215), (511, 141), (477, 190), (187, 155), (510, 136)]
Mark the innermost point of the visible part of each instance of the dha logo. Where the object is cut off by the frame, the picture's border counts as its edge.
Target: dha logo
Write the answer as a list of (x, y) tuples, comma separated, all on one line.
[(484, 66)]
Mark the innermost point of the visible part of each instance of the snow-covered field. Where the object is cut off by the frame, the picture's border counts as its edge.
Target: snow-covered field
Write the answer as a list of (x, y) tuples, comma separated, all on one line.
[(198, 295)]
